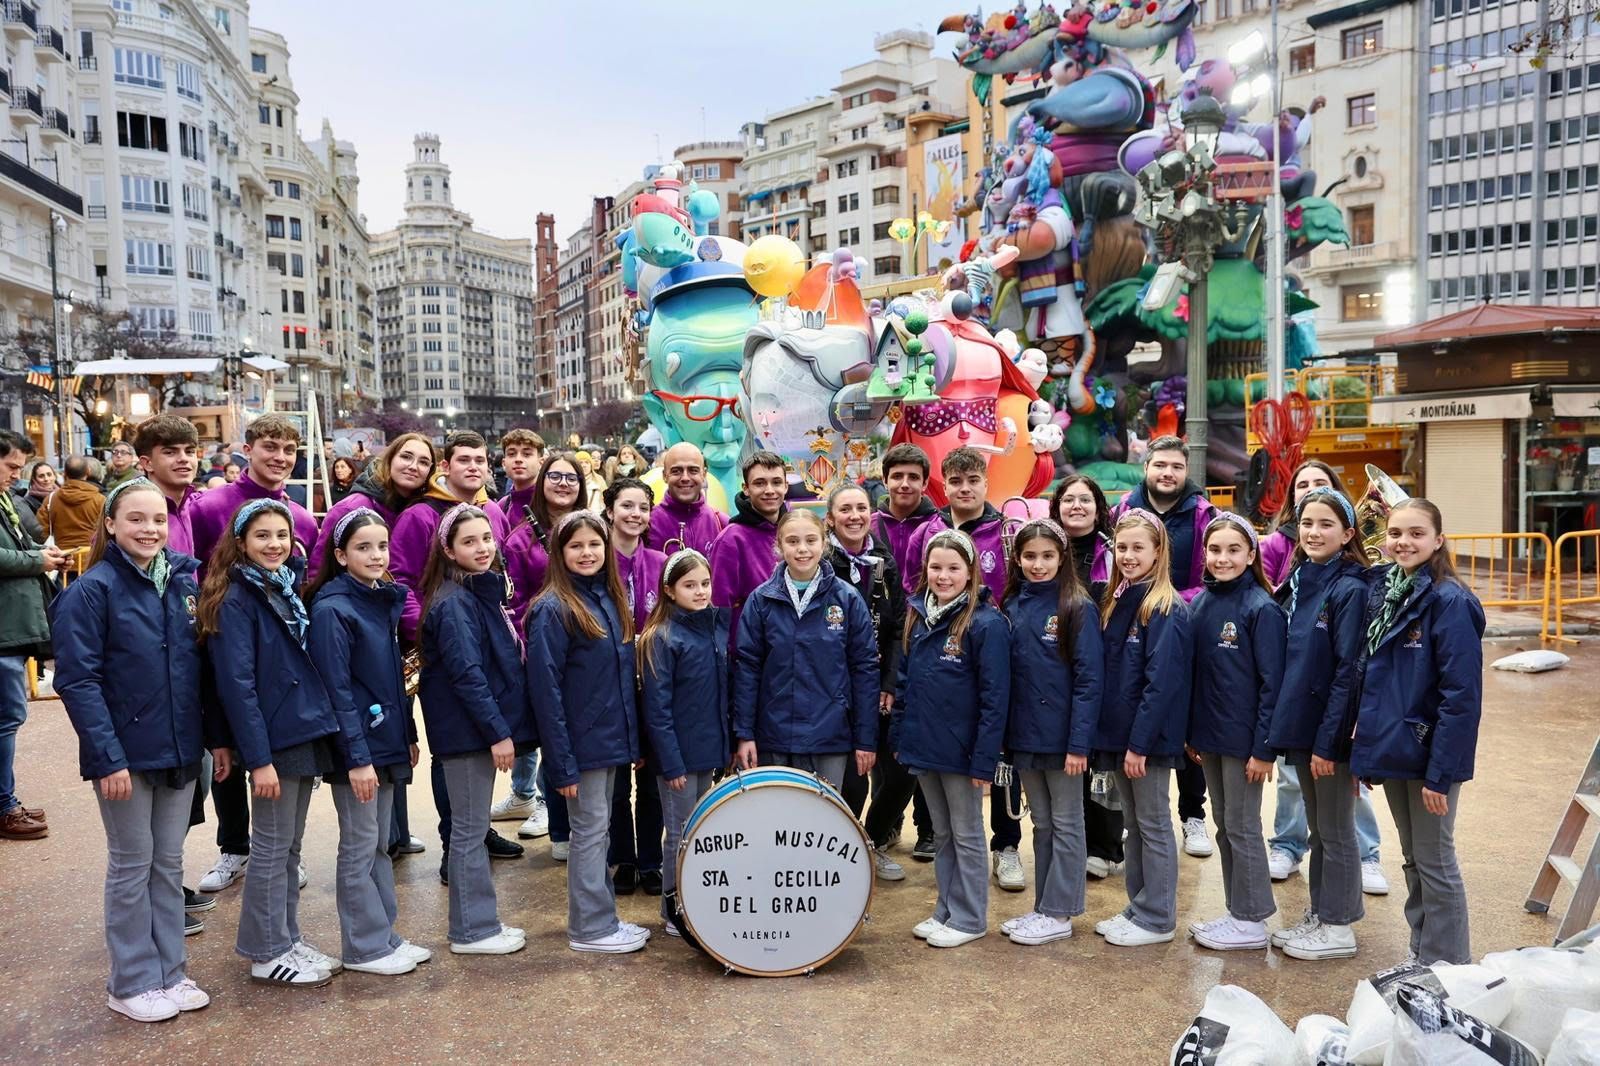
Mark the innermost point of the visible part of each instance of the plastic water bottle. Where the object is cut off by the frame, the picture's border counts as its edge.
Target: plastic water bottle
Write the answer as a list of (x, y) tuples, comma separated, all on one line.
[(376, 720)]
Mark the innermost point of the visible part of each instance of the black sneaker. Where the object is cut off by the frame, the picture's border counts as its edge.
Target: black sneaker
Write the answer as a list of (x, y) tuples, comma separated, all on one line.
[(626, 879), (501, 848), (194, 901), (192, 925), (650, 882), (925, 849)]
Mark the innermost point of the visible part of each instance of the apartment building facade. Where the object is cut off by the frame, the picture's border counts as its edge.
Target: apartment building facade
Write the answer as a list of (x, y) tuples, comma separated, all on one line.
[(779, 165), (574, 273)]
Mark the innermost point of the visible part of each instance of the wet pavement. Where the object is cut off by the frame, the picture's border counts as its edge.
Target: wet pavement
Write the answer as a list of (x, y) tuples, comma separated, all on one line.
[(885, 998)]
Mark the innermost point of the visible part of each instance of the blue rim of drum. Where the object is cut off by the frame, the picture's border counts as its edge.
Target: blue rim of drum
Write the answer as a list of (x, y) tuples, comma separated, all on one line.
[(768, 777)]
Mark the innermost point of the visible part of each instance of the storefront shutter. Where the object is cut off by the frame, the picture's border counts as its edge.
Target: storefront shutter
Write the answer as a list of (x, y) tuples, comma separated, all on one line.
[(1464, 474)]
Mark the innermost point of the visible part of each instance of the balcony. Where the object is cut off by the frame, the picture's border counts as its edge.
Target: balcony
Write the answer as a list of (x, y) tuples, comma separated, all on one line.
[(56, 125), (1359, 255), (237, 200), (19, 171), (21, 20), (88, 63), (216, 184), (91, 136), (27, 105), (49, 46), (97, 211), (216, 238), (5, 82)]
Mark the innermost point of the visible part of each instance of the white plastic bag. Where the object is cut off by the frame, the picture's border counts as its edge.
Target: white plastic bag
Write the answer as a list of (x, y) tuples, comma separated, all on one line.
[(1475, 989), (1545, 984), (1234, 1028), (1531, 662), (1430, 1032), (1578, 1042), (1320, 1040)]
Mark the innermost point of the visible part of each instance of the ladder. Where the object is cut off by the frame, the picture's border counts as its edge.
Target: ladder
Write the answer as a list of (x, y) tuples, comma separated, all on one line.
[(317, 473), (1560, 867)]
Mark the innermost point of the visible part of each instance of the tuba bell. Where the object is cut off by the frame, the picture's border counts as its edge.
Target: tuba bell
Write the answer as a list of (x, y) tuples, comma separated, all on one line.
[(1372, 511), (1010, 524)]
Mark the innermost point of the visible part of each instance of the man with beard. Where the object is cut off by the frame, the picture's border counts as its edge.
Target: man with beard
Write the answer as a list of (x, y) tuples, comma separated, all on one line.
[(684, 518)]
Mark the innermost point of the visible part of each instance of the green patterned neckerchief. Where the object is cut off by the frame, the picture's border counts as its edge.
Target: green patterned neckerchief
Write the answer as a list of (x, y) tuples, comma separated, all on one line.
[(1396, 587), (159, 573)]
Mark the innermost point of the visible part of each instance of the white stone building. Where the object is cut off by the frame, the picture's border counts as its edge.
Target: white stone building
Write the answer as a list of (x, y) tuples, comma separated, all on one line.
[(780, 165)]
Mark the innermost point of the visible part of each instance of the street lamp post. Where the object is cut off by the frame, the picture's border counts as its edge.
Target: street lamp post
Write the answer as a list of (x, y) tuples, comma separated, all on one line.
[(60, 358)]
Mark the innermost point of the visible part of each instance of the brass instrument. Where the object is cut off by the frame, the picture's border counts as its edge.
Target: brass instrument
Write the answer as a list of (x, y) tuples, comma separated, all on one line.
[(1010, 524), (1372, 511), (411, 669)]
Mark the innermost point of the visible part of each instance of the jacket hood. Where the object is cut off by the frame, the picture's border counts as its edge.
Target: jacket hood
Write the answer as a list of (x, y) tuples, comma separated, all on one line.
[(684, 511), (1229, 587), (924, 508), (368, 485), (77, 492), (774, 587), (345, 587), (438, 491), (745, 513), (989, 515), (701, 621), (1139, 496)]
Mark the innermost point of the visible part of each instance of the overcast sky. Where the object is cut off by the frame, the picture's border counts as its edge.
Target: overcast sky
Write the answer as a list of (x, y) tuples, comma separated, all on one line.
[(541, 105)]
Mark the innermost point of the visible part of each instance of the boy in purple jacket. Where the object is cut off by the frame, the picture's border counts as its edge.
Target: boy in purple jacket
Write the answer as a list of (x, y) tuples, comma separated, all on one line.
[(966, 484), (522, 454), (168, 449), (907, 510), (746, 552), (684, 518)]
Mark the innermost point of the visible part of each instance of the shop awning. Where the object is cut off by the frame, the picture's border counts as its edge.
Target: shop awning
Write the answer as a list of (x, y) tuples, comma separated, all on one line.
[(757, 197), (1576, 402), (1467, 405), (1490, 320), (168, 367)]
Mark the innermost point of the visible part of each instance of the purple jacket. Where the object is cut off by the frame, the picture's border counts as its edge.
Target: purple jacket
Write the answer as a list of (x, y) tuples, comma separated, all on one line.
[(356, 499), (209, 516), (411, 539), (526, 563), (641, 580), (180, 536), (985, 533), (1277, 556), (1186, 523), (744, 556), (515, 503), (898, 533), (696, 525)]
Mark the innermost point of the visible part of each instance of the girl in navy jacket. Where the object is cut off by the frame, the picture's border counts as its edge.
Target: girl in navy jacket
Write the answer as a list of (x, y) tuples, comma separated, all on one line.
[(475, 707), (1055, 705), (581, 673), (139, 739), (950, 710), (1314, 717), (1144, 714), (1417, 729), (683, 667), (283, 726), (793, 705), (355, 620), (1240, 634)]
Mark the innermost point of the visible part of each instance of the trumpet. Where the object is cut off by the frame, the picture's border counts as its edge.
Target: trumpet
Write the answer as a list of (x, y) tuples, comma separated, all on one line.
[(1372, 511), (1010, 524), (411, 670)]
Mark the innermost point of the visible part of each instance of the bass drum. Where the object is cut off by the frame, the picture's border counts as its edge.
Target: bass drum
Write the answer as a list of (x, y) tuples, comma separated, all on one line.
[(775, 874)]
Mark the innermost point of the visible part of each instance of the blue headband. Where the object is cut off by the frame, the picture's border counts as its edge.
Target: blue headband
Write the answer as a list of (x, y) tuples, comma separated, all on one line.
[(1324, 494), (247, 513), (131, 483)]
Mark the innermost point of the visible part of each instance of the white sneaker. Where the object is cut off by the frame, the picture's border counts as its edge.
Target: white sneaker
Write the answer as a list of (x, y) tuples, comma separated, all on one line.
[(512, 808), (559, 850), (1021, 919), (1130, 935), (670, 927), (1008, 870), (886, 868), (636, 930), (1043, 929), (390, 965), (186, 995), (946, 937), (317, 958), (1281, 864), (1196, 841), (290, 968), (151, 1006), (512, 931), (303, 878), (926, 928), (1307, 922), (1323, 942), (1196, 926), (1373, 882), (620, 942), (537, 824), (415, 951), (1105, 928), (1230, 934), (1100, 869), (495, 944), (228, 869)]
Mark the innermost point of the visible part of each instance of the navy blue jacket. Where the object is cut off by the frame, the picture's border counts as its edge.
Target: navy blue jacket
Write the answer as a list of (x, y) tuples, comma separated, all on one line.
[(472, 688), (686, 689), (953, 700), (1240, 634), (1145, 705), (128, 667), (1422, 690), (354, 642), (583, 688), (806, 685), (1054, 707), (270, 689), (1316, 708)]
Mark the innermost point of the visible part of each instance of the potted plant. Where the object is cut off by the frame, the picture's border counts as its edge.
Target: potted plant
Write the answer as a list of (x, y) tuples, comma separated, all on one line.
[(1567, 467), (1541, 469)]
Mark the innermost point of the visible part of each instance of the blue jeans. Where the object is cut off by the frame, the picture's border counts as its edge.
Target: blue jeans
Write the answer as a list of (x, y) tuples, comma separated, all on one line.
[(1289, 829), (13, 712), (525, 777)]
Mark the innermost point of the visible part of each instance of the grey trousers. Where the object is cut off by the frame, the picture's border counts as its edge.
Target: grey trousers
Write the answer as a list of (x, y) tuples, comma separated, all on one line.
[(1236, 808), (828, 767), (364, 887), (269, 911), (469, 782), (961, 862), (1436, 898), (591, 898), (1335, 875), (1150, 869), (676, 806), (144, 886), (1060, 849)]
